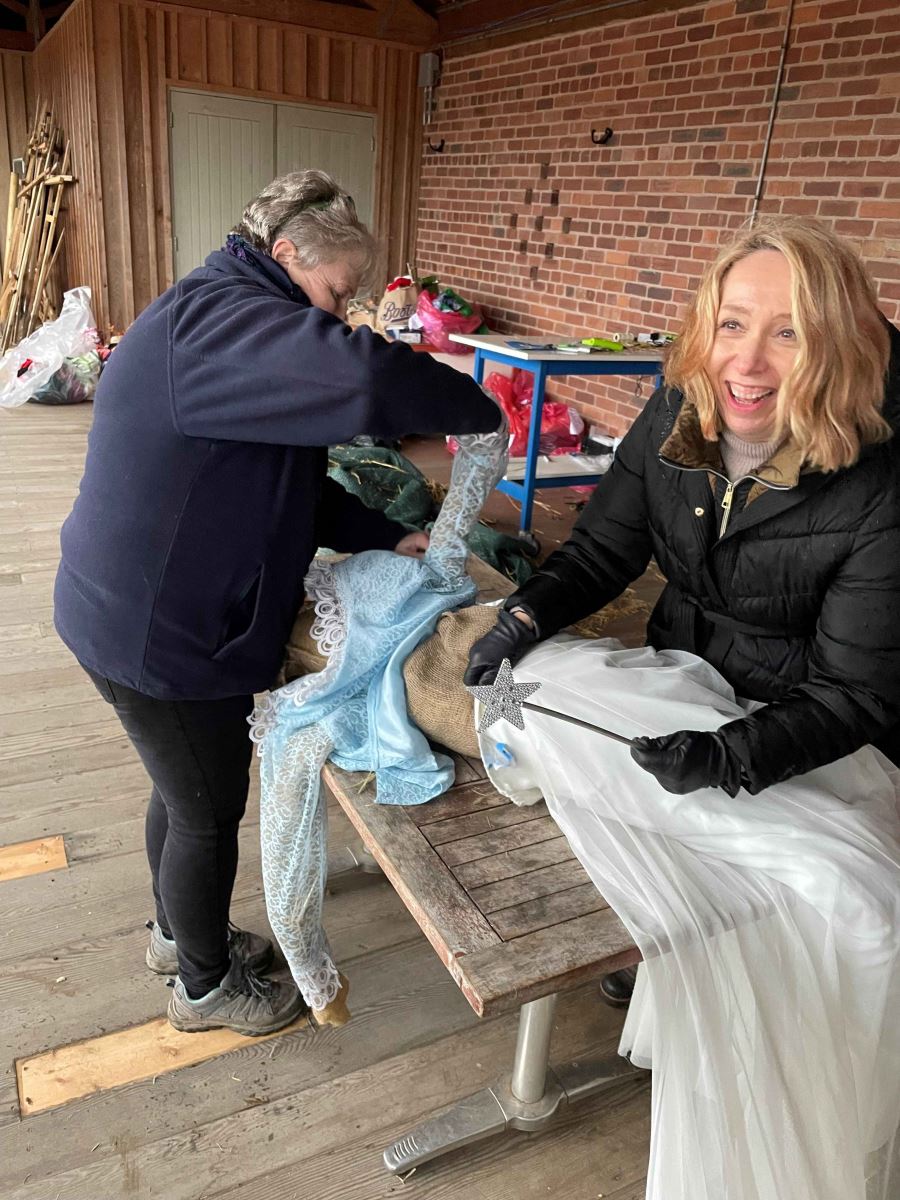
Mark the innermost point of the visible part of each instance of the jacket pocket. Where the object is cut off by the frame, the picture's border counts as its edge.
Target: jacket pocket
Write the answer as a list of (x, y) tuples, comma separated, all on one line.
[(242, 617)]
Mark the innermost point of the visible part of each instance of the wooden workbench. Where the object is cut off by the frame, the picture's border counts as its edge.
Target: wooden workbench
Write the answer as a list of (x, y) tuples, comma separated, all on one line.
[(510, 913)]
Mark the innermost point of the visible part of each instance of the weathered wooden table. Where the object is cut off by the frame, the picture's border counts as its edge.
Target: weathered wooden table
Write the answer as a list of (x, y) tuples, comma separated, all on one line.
[(512, 916)]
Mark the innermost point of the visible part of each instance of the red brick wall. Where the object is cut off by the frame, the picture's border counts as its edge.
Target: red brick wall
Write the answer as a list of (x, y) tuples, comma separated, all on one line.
[(556, 235)]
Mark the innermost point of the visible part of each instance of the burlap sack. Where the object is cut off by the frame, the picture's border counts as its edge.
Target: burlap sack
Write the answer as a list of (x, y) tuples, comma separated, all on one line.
[(436, 698), (437, 701)]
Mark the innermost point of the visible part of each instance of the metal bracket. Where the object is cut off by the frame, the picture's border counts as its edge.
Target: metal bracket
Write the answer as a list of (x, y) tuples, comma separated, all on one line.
[(527, 1100)]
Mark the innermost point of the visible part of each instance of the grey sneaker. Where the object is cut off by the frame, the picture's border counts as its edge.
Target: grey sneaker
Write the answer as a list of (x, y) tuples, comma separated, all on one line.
[(243, 1002), (255, 951)]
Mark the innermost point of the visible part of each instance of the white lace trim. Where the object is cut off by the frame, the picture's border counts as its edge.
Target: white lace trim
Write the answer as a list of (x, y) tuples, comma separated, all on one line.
[(262, 720), (319, 987), (329, 631)]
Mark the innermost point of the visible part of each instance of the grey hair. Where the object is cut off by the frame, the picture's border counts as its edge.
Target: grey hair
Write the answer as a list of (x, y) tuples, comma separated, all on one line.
[(311, 210)]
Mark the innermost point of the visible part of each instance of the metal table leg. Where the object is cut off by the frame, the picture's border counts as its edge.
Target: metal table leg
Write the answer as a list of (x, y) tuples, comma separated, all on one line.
[(350, 865), (527, 1100), (532, 451)]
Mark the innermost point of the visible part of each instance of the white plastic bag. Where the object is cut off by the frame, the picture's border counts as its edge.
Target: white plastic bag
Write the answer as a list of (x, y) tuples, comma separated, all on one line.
[(73, 332)]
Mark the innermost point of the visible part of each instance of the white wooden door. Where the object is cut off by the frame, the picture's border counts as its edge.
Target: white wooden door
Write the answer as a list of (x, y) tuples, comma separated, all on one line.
[(341, 143), (222, 154)]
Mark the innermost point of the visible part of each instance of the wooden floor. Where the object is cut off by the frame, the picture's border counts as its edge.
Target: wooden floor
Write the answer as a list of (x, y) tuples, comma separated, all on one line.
[(303, 1116)]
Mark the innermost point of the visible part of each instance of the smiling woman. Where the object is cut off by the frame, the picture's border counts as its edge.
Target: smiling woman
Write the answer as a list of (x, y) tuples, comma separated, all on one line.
[(763, 477), (784, 339)]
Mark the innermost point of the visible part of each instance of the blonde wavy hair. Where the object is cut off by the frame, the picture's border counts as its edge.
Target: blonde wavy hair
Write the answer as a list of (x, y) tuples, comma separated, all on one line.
[(830, 404)]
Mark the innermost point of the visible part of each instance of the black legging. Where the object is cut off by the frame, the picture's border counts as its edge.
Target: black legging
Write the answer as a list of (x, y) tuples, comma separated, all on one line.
[(197, 754)]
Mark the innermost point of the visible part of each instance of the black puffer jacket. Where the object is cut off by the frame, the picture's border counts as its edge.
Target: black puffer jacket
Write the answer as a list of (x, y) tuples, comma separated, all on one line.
[(793, 594)]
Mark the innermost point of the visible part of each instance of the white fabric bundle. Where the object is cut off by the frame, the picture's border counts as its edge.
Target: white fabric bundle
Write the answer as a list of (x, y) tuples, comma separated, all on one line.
[(768, 999)]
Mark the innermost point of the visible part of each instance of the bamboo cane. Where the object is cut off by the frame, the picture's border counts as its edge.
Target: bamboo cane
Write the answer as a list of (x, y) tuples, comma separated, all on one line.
[(9, 247), (10, 212), (20, 302), (33, 230), (30, 217), (47, 247)]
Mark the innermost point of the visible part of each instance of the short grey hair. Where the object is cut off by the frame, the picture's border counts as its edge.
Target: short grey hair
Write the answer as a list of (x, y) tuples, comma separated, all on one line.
[(311, 210)]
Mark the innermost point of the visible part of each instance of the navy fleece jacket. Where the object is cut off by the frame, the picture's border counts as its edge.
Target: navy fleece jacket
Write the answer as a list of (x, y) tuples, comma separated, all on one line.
[(205, 491)]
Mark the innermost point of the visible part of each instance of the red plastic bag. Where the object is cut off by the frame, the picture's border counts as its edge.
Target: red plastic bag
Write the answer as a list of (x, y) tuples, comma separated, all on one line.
[(439, 325), (561, 427)]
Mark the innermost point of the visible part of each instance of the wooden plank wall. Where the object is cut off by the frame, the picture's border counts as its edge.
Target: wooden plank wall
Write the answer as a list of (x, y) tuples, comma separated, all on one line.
[(15, 114), (64, 75), (110, 63)]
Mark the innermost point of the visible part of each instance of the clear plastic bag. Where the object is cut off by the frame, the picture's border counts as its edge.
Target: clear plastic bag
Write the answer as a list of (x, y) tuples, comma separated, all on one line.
[(30, 366)]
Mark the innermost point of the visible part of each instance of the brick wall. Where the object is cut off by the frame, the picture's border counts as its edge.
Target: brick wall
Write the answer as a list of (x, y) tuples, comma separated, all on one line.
[(557, 235)]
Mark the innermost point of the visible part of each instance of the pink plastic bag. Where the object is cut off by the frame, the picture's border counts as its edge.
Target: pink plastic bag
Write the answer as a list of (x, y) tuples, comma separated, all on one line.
[(439, 325)]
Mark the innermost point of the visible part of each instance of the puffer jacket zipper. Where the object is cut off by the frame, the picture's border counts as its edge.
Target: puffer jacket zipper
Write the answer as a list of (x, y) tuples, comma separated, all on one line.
[(730, 486)]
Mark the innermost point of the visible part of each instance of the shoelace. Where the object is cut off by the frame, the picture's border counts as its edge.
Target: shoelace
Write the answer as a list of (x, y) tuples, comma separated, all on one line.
[(245, 982)]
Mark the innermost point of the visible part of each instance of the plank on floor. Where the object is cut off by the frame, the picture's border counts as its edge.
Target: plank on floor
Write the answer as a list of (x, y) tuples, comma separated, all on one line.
[(97, 1064), (32, 858)]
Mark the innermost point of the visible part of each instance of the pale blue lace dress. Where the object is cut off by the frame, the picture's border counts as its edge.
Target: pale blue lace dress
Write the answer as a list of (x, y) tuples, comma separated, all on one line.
[(372, 610)]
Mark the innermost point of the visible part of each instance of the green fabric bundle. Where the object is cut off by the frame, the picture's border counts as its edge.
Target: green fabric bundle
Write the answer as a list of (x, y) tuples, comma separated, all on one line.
[(386, 480)]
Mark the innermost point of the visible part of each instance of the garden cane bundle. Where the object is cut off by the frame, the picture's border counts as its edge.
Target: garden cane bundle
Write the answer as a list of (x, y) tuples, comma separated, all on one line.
[(33, 234)]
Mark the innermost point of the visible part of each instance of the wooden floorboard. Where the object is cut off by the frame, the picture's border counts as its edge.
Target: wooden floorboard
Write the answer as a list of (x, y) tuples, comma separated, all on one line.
[(32, 858), (305, 1116)]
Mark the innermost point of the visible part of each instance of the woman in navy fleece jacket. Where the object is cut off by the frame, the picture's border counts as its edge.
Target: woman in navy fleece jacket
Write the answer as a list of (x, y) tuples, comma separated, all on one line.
[(204, 497)]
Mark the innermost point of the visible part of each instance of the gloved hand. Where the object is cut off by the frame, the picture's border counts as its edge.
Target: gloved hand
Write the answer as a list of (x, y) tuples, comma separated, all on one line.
[(509, 638), (688, 760)]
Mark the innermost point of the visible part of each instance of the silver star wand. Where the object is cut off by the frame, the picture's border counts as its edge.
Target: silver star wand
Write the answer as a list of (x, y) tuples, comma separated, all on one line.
[(504, 699)]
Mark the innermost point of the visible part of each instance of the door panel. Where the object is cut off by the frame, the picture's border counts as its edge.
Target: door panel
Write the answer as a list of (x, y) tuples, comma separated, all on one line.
[(343, 144), (222, 154), (224, 150)]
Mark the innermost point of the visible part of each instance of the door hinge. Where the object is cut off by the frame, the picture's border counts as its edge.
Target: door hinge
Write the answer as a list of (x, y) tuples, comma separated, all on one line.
[(171, 119)]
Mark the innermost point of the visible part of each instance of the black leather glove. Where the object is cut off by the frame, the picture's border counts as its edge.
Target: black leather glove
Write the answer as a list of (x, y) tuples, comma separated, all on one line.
[(509, 638), (686, 761)]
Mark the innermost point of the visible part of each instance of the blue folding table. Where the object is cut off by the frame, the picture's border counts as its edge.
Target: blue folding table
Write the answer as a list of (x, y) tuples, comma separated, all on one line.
[(494, 347)]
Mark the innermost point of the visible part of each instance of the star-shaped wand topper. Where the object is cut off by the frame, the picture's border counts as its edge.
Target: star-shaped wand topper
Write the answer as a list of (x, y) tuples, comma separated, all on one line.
[(504, 699)]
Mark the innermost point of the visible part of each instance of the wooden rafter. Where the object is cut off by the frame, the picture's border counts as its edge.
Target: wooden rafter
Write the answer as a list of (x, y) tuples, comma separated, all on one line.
[(21, 10), (399, 21), (16, 39), (488, 24)]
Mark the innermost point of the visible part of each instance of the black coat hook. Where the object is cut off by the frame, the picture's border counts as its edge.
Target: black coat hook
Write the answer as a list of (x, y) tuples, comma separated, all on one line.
[(603, 138), (438, 149)]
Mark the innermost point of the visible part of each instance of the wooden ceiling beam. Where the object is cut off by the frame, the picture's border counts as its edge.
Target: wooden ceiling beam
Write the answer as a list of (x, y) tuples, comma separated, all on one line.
[(399, 22), (20, 10), (407, 16), (472, 29), (16, 39)]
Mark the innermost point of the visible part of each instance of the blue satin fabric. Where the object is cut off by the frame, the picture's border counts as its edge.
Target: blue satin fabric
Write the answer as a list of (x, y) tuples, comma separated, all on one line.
[(388, 605)]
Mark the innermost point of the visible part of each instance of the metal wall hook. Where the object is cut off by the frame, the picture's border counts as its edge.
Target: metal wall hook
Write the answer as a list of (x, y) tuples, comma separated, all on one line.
[(603, 138), (439, 148)]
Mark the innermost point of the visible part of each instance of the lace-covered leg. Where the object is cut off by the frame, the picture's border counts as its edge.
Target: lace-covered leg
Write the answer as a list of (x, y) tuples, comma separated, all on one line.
[(477, 467), (293, 833)]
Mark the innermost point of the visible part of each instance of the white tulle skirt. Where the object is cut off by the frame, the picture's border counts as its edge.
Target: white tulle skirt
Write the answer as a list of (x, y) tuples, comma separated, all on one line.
[(768, 1001)]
